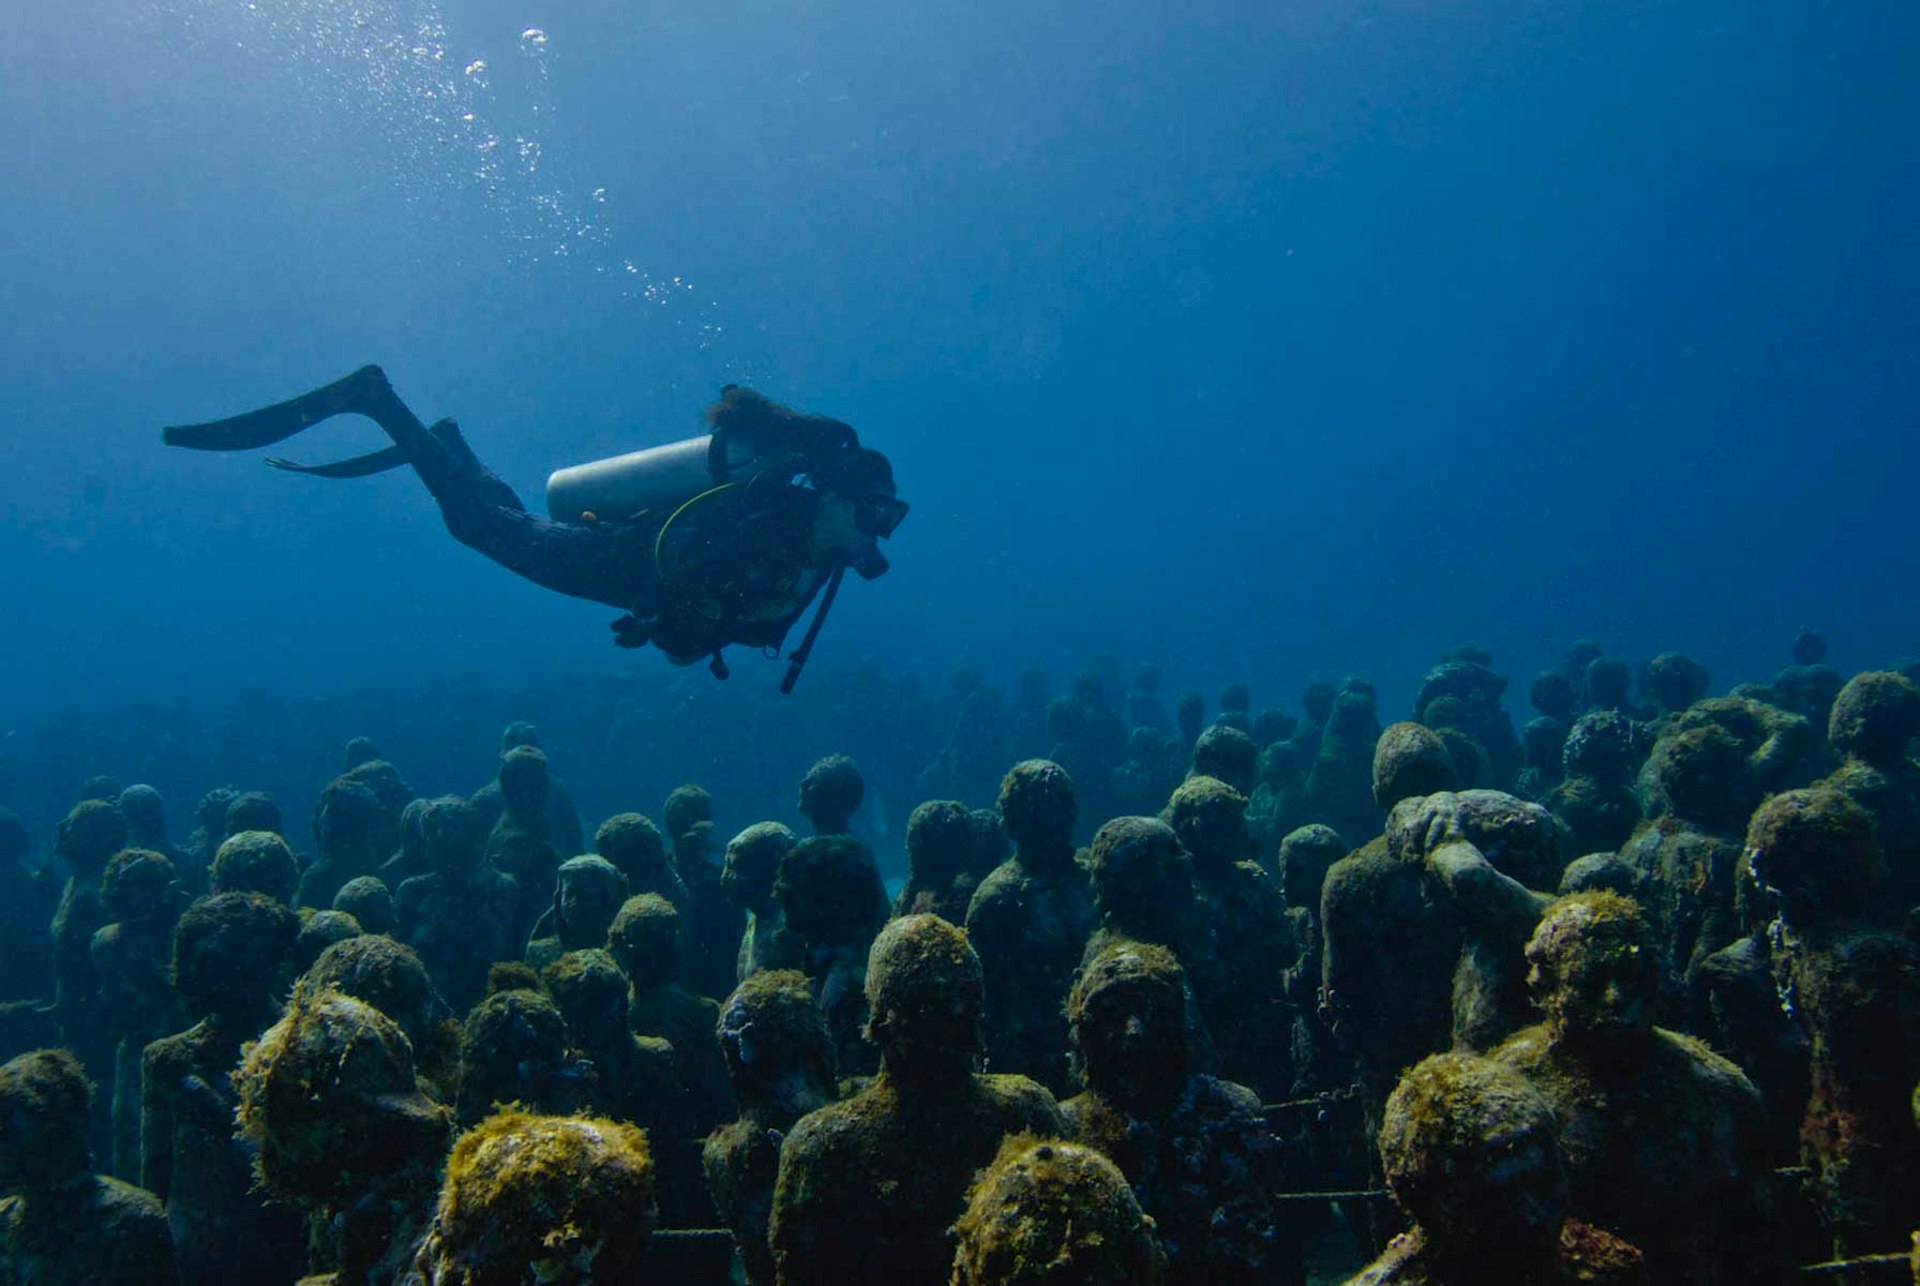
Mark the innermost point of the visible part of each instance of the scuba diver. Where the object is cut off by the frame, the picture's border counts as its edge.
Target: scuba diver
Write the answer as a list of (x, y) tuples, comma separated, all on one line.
[(719, 539)]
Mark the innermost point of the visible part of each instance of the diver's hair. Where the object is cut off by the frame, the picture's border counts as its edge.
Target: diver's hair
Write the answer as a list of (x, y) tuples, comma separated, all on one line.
[(760, 418)]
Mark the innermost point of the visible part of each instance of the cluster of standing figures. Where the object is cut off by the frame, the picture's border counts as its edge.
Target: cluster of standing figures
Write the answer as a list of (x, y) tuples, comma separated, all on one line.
[(1634, 997)]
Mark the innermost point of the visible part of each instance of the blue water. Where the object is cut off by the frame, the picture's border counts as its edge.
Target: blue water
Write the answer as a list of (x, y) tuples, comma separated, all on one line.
[(1268, 341)]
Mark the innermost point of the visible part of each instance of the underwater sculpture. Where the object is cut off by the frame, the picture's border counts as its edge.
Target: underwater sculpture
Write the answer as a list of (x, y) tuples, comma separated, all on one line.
[(327, 1098), (1143, 890), (1735, 1006), (588, 892), (1461, 696), (1236, 708), (563, 819), (1142, 883), (747, 878), (210, 828), (521, 841), (142, 893), (388, 975), (1698, 793), (1673, 681), (1235, 946), (369, 901), (1875, 719), (711, 925), (1225, 753), (1423, 931), (645, 942), (1144, 708), (1307, 853), (320, 930), (61, 1224), (347, 822), (88, 838), (1662, 1138), (830, 794), (514, 1048), (1277, 804), (1594, 798), (1050, 1212), (1196, 1149), (1709, 765), (704, 543), (1854, 989), (780, 1058), (1389, 949), (1190, 717), (254, 810), (1542, 743), (869, 1186), (1809, 686), (557, 1200), (1143, 780), (146, 814), (974, 746), (940, 847), (229, 952), (1030, 921), (633, 1077), (1487, 852), (1471, 1154), (1608, 682), (825, 889), (1088, 740), (391, 795), (255, 862), (1027, 718), (462, 915), (634, 844), (1337, 784)]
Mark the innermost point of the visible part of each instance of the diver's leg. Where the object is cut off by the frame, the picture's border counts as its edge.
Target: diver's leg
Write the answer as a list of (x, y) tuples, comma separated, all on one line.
[(606, 564), (610, 564)]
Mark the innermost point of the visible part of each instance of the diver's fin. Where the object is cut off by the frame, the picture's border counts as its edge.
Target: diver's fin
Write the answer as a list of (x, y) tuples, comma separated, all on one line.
[(360, 466), (276, 423)]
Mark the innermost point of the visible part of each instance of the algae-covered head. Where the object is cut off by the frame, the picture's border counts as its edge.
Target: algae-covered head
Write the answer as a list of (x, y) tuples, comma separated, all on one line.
[(1593, 969), (1471, 1153)]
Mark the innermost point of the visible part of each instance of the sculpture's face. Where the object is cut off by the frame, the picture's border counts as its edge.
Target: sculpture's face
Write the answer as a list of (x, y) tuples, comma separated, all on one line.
[(1605, 984), (1133, 1031), (589, 904), (931, 1029), (26, 1146)]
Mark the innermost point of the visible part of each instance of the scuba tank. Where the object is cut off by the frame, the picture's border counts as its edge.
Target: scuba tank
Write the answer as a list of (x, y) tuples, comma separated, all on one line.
[(621, 486)]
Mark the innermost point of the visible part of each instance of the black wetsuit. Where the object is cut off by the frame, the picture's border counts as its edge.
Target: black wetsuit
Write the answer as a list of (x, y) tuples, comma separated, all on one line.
[(609, 563), (615, 562)]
